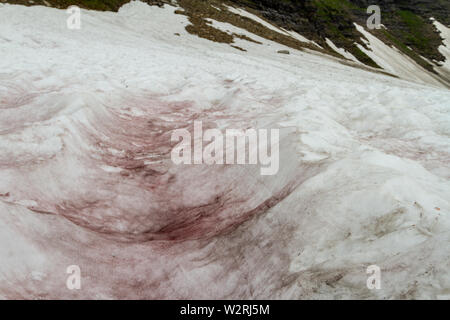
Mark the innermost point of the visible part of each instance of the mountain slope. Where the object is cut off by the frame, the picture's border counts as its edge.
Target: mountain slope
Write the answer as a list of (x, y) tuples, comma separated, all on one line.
[(86, 179), (324, 25), (407, 25)]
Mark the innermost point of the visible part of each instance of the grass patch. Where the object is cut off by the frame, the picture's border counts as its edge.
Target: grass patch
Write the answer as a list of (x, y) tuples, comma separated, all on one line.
[(100, 5)]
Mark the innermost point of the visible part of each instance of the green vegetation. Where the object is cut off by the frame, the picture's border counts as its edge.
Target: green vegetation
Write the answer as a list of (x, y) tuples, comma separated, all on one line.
[(315, 19), (364, 58), (198, 11), (416, 30), (334, 5), (389, 38), (101, 5)]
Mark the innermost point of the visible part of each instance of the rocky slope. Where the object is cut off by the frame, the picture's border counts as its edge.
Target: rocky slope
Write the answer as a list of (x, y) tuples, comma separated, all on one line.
[(86, 178), (408, 24)]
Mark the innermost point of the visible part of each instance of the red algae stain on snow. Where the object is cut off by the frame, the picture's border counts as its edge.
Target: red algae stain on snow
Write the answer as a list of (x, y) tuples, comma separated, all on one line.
[(127, 188)]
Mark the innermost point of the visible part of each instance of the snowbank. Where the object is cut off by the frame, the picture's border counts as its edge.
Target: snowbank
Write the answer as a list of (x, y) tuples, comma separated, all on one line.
[(86, 177)]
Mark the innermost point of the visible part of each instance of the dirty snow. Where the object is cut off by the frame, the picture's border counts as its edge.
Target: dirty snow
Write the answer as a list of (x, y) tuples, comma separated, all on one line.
[(85, 178), (393, 61)]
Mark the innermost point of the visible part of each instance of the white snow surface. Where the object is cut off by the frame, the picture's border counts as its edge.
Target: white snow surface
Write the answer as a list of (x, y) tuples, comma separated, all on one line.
[(85, 122), (293, 34), (245, 13), (341, 51), (393, 61)]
